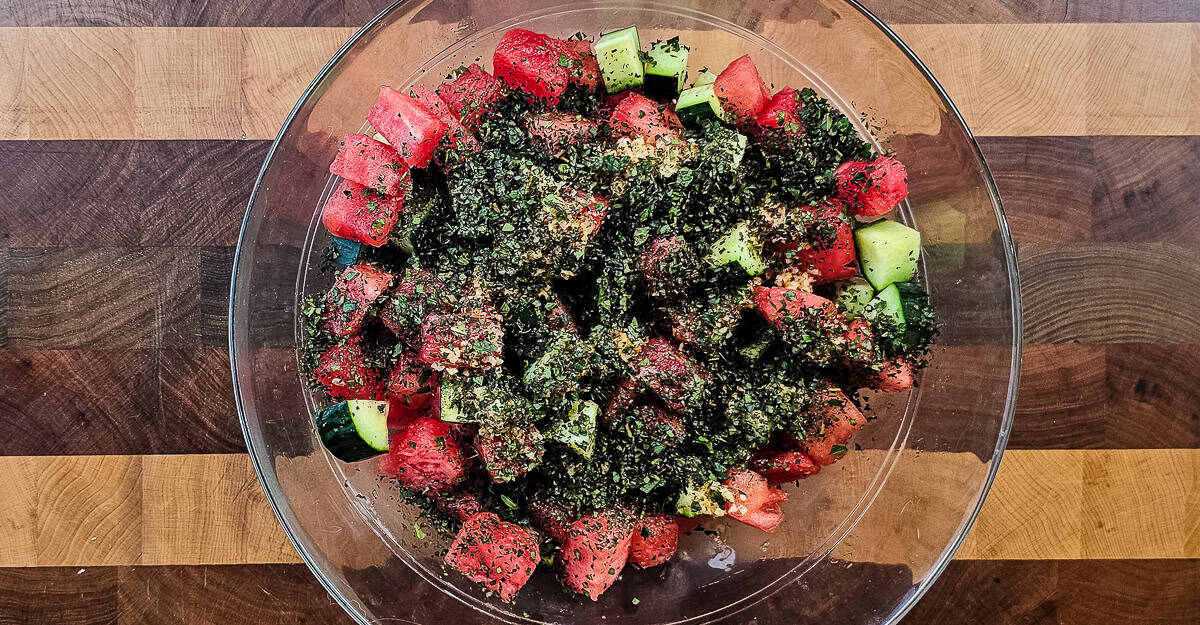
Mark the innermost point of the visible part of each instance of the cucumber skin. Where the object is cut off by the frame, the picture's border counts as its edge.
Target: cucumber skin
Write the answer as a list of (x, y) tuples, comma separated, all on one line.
[(872, 252), (339, 435), (631, 71)]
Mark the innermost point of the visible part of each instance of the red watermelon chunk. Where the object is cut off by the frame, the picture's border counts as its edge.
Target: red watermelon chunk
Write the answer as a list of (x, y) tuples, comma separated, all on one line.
[(469, 340), (784, 466), (344, 374), (550, 516), (498, 554), (509, 454), (782, 112), (461, 505), (536, 64), (426, 455), (353, 293), (361, 214), (672, 377), (838, 419), (586, 69), (742, 91), (412, 389), (372, 164), (824, 244), (456, 134), (417, 294), (655, 539), (872, 188), (894, 375), (779, 305), (411, 129), (595, 551), (556, 131), (755, 502), (636, 115), (470, 94), (859, 340)]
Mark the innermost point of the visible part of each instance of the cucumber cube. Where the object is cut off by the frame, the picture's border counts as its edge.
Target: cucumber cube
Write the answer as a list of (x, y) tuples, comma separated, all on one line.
[(578, 430), (698, 103), (705, 77), (853, 295), (370, 420), (739, 246), (666, 69), (889, 251), (619, 56), (888, 307)]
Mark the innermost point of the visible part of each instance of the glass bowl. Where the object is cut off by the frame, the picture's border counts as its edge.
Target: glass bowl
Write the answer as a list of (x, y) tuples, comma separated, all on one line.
[(862, 540)]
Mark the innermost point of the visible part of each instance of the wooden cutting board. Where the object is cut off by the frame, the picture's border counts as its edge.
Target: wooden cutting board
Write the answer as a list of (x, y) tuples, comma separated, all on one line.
[(131, 132)]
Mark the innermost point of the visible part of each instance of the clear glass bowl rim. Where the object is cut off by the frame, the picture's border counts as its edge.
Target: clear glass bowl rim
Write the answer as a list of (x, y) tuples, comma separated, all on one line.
[(1006, 241)]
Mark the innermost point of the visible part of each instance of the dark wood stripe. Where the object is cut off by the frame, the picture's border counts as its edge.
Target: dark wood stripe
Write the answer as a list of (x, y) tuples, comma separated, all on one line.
[(356, 12), (125, 193), (67, 402), (1062, 592), (1000, 592), (1110, 293), (58, 595), (1101, 188)]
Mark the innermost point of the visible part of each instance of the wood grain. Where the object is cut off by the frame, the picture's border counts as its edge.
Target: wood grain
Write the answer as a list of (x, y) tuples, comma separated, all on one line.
[(1110, 292), (356, 12), (209, 509), (219, 595), (117, 193), (1009, 79), (1141, 592), (103, 298), (57, 595)]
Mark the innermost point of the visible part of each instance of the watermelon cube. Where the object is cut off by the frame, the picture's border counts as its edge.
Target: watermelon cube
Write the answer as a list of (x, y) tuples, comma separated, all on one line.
[(819, 240), (670, 375), (636, 115), (412, 389), (407, 125), (557, 131), (426, 455), (586, 69), (782, 112), (755, 502), (372, 164), (353, 293), (343, 372), (742, 91), (655, 539), (470, 94), (361, 213), (498, 554), (784, 466), (595, 550), (456, 134), (894, 375), (837, 420), (536, 64), (780, 305), (468, 340), (872, 188), (418, 293)]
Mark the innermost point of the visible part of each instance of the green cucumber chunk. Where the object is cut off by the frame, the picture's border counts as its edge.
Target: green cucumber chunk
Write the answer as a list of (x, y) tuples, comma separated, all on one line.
[(619, 56), (578, 430), (853, 296), (889, 251), (888, 308), (666, 68), (454, 405), (355, 429), (739, 247), (705, 77), (699, 103)]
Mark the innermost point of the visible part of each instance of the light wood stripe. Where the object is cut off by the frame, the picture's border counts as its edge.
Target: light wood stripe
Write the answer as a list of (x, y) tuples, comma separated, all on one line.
[(230, 83), (208, 509)]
